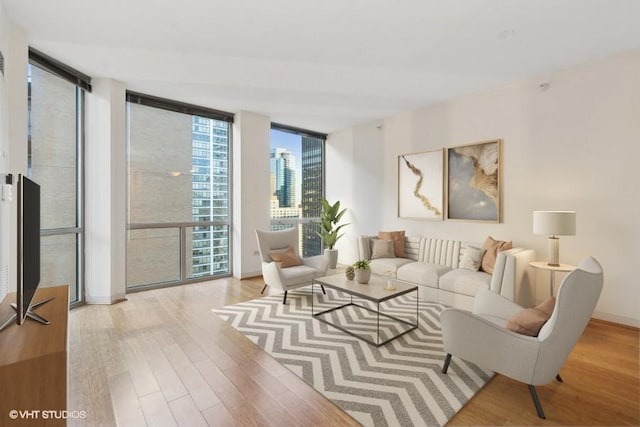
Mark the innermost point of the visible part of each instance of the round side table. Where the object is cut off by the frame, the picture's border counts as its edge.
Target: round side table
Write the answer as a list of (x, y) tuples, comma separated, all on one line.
[(553, 269)]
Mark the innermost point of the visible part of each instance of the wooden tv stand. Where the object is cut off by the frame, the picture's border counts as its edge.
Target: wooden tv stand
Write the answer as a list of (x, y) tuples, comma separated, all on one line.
[(33, 362)]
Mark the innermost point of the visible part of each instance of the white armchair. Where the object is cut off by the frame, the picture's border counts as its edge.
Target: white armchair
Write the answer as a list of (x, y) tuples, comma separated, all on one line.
[(290, 277), (481, 337)]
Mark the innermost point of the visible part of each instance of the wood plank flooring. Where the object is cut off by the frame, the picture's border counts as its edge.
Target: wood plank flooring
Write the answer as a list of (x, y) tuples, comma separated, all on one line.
[(163, 359)]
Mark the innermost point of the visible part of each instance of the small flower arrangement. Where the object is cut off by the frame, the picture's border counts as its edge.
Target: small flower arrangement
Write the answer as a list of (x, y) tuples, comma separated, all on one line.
[(361, 264), (362, 270)]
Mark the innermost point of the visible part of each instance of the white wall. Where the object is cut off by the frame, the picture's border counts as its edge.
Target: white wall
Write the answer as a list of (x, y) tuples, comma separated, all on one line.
[(13, 137), (355, 176), (5, 242), (105, 192), (250, 185), (572, 146)]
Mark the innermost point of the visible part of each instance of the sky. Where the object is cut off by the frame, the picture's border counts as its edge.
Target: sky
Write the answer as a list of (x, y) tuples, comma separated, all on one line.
[(288, 141)]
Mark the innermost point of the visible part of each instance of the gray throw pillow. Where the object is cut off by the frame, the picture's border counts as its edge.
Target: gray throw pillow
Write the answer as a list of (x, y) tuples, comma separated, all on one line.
[(382, 249)]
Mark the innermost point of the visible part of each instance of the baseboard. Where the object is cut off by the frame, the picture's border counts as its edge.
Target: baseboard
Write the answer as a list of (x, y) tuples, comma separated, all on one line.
[(614, 318), (105, 299), (248, 275)]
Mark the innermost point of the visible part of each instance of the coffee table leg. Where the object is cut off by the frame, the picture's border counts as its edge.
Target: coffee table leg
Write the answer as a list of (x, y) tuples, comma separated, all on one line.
[(378, 342), (417, 311)]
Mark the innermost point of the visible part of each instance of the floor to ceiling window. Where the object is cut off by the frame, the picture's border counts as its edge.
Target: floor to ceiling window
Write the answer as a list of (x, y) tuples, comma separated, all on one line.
[(297, 183), (179, 216), (55, 141)]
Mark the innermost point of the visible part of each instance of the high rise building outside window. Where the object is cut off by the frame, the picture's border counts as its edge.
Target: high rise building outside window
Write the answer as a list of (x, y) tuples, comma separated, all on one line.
[(283, 167), (297, 184), (210, 247), (179, 195), (312, 190)]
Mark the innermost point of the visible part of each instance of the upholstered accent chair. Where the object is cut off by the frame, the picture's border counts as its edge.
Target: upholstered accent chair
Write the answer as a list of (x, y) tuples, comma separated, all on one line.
[(480, 336), (275, 242)]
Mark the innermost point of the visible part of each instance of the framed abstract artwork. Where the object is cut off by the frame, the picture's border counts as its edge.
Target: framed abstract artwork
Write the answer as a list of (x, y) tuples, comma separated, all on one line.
[(473, 182), (420, 185)]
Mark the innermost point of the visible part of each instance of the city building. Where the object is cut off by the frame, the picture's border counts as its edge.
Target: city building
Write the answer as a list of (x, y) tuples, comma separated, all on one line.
[(294, 204), (283, 167), (312, 192), (210, 180)]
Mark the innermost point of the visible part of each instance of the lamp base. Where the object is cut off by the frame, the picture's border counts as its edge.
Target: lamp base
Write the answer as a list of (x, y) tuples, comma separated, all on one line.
[(553, 257)]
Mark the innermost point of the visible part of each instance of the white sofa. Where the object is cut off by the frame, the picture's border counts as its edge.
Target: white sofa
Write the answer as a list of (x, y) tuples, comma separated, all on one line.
[(433, 265)]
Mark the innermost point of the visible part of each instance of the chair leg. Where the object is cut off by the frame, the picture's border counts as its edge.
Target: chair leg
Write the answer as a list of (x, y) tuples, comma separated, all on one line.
[(559, 378), (323, 291), (265, 287), (447, 360), (284, 301), (536, 401)]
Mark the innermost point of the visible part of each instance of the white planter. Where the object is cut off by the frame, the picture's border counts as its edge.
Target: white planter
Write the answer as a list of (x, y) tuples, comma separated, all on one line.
[(363, 276), (333, 257)]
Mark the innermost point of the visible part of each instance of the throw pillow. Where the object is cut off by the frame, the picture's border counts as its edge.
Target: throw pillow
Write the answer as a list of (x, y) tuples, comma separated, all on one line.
[(398, 241), (287, 258), (472, 258), (492, 247), (530, 321), (382, 249)]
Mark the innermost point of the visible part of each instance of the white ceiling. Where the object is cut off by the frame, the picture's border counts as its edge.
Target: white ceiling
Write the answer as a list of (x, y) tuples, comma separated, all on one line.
[(324, 65)]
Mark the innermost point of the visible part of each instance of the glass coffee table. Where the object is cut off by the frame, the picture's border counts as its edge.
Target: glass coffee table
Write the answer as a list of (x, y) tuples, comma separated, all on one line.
[(374, 292)]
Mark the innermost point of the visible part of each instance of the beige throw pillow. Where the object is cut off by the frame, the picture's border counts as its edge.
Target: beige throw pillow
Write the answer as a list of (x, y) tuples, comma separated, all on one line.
[(492, 247), (382, 249), (398, 241), (472, 258), (530, 321), (287, 258)]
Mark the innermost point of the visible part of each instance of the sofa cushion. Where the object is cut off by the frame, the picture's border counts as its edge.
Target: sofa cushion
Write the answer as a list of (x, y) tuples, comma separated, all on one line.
[(397, 237), (297, 274), (381, 266), (382, 249), (422, 273), (465, 282), (439, 251)]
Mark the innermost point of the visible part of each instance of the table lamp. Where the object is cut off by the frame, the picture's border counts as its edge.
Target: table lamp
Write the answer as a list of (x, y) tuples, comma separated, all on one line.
[(553, 224)]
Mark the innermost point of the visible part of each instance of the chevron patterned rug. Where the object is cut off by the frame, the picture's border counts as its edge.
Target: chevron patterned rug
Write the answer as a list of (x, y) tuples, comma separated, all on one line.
[(398, 384)]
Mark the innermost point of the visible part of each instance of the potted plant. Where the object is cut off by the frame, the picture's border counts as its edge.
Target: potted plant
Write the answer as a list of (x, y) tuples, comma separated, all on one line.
[(363, 271), (329, 228)]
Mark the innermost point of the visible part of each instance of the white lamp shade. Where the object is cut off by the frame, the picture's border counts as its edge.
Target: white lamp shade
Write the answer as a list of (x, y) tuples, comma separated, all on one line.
[(554, 223)]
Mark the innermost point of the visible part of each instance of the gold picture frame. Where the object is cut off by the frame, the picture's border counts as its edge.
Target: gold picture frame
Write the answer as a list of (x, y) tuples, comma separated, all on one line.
[(474, 174), (421, 185)]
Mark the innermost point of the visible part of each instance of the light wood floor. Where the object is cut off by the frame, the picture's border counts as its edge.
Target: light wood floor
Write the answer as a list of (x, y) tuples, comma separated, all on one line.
[(163, 359)]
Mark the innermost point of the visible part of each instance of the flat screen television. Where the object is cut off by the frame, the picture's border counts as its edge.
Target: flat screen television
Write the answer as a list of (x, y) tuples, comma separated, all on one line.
[(28, 245)]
